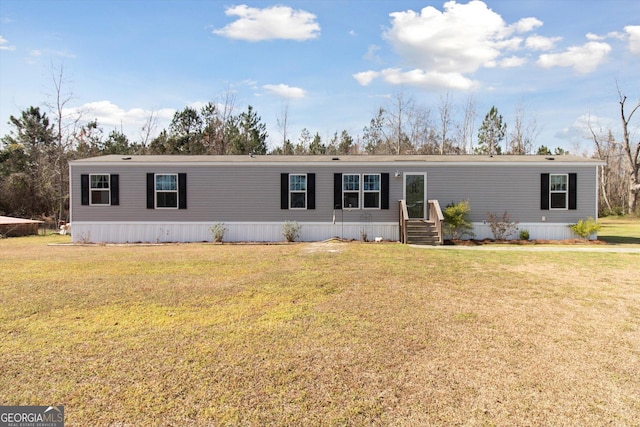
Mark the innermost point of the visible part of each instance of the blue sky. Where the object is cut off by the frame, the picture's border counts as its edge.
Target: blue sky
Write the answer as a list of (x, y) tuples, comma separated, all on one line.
[(330, 64)]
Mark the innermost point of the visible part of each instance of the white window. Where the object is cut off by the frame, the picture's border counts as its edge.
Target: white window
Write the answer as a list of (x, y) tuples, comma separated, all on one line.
[(558, 191), (297, 191), (350, 191), (371, 191), (99, 191), (166, 186)]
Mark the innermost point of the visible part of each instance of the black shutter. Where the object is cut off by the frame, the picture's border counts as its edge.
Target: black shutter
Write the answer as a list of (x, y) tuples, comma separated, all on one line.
[(114, 185), (544, 191), (311, 191), (182, 191), (284, 191), (151, 204), (573, 191), (384, 190), (84, 189), (337, 191)]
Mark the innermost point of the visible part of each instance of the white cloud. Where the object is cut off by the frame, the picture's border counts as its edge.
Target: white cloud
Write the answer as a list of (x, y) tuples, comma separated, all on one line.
[(634, 38), (35, 52), (276, 22), (583, 59), (462, 38), (442, 47), (513, 61), (417, 77), (110, 116), (4, 44), (595, 37), (366, 77), (579, 129), (371, 54), (536, 42), (526, 24), (285, 91)]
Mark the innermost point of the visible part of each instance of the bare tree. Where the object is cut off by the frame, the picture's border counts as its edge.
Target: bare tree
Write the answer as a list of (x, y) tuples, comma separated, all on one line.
[(445, 120), (304, 141), (148, 129), (521, 137), (401, 105), (466, 129), (619, 180), (374, 136), (65, 128), (283, 122), (421, 131), (632, 154), (613, 192), (217, 116)]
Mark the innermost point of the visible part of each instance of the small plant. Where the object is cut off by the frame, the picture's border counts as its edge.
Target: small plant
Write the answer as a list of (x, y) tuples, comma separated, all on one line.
[(585, 228), (524, 235), (456, 222), (217, 232), (85, 238), (291, 230), (501, 227)]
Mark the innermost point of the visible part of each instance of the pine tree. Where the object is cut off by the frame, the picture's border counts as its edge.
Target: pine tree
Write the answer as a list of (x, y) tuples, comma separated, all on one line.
[(492, 131)]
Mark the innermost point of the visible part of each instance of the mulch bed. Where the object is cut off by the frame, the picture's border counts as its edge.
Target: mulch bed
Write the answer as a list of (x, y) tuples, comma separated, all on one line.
[(524, 242)]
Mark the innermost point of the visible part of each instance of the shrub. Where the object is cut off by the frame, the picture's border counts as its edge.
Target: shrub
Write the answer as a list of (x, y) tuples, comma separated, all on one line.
[(501, 227), (456, 222), (585, 228), (524, 235), (217, 231), (291, 230)]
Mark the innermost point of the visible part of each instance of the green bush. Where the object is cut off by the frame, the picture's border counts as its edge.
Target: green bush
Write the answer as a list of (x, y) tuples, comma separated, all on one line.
[(524, 235), (585, 228), (291, 230), (456, 219)]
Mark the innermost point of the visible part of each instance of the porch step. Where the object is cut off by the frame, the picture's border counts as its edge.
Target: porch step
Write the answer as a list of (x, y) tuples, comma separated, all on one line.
[(421, 232)]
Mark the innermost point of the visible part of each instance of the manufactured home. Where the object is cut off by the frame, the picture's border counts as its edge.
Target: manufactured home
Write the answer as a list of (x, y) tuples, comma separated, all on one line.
[(399, 198)]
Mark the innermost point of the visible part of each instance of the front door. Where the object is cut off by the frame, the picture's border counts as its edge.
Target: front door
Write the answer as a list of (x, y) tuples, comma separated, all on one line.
[(415, 193)]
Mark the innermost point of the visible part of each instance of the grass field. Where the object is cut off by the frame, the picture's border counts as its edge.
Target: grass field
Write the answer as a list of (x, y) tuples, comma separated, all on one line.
[(620, 230), (320, 334)]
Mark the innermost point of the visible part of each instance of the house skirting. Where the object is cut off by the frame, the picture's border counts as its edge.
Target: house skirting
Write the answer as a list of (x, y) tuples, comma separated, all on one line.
[(150, 232), (537, 231)]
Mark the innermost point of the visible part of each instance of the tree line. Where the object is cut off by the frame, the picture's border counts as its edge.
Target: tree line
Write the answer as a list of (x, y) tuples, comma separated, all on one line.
[(34, 155)]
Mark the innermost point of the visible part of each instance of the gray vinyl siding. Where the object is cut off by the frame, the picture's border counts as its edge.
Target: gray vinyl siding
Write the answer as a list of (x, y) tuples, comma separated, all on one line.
[(227, 193), (515, 189), (251, 192)]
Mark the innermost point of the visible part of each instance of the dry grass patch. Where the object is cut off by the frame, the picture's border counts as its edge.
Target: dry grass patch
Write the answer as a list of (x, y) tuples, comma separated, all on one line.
[(295, 335)]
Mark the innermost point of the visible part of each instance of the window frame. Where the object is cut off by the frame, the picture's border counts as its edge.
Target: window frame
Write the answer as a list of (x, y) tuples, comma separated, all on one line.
[(357, 192), (156, 191), (378, 191), (553, 192), (98, 189), (305, 191)]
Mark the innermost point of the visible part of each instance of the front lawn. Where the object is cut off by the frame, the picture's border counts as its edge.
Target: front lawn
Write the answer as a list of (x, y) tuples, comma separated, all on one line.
[(319, 334)]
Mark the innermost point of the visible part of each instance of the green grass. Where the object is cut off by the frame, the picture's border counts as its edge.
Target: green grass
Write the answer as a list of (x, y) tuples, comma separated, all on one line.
[(319, 334), (620, 230)]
